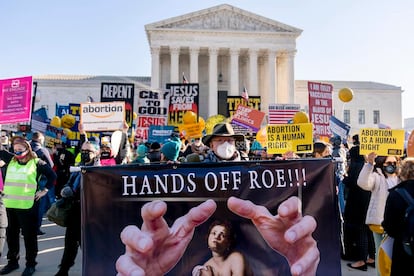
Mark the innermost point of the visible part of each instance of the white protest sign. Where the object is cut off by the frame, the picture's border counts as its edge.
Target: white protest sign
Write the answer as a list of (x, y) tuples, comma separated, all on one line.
[(102, 116)]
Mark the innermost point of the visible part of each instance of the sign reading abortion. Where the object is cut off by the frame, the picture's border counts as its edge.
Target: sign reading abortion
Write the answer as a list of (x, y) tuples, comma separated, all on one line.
[(16, 100), (382, 141), (289, 137), (113, 196), (102, 116)]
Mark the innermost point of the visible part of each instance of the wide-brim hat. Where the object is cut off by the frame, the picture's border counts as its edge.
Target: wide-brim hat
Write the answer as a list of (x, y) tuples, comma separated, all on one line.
[(222, 130)]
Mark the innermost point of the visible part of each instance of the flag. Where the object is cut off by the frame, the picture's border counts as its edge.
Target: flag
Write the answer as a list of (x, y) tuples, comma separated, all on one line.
[(184, 79), (282, 113), (244, 94)]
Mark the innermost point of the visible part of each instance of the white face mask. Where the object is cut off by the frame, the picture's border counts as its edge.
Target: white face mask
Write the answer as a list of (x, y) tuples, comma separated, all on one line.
[(226, 150)]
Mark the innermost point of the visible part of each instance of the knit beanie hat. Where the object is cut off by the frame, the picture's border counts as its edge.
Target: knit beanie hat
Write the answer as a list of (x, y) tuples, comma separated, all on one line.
[(171, 149), (95, 142), (141, 150)]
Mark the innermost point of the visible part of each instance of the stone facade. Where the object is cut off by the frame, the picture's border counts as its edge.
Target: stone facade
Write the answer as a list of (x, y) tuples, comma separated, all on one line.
[(224, 49)]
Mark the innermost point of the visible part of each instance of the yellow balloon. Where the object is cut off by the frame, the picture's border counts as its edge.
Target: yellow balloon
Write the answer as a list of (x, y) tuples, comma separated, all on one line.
[(189, 117), (67, 121), (68, 133), (300, 117), (134, 115), (261, 136), (201, 122), (55, 122), (212, 121), (346, 94)]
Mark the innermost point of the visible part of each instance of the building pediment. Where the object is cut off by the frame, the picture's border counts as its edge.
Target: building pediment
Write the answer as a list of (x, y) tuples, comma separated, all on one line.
[(223, 18)]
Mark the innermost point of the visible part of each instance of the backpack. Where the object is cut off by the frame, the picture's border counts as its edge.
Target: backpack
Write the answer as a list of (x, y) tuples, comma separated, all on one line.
[(408, 231)]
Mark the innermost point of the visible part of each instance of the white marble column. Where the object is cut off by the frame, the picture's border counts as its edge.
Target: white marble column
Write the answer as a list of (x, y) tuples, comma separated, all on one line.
[(194, 52), (285, 78), (212, 81), (175, 56), (234, 72), (271, 69), (155, 67), (290, 64), (253, 89)]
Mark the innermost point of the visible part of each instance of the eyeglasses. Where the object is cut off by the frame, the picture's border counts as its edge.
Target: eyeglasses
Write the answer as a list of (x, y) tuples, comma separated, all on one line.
[(86, 151), (390, 163)]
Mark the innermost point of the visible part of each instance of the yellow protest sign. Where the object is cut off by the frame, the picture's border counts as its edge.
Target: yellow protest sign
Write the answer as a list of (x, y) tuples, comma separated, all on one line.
[(190, 131), (290, 137), (381, 141)]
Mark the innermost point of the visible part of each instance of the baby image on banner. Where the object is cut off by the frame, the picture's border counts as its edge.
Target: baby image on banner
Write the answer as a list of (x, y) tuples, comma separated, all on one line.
[(112, 199)]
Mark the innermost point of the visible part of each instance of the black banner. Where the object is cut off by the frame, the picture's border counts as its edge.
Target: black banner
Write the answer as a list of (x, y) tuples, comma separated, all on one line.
[(113, 196)]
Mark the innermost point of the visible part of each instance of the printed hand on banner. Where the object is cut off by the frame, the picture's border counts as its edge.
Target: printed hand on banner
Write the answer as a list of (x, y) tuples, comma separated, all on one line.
[(288, 232), (155, 248)]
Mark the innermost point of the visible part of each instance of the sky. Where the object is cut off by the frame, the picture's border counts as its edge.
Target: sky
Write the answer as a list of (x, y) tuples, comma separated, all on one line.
[(353, 40)]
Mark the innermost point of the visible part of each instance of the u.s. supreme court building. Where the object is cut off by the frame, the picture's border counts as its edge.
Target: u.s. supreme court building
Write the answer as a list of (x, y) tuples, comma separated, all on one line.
[(225, 49)]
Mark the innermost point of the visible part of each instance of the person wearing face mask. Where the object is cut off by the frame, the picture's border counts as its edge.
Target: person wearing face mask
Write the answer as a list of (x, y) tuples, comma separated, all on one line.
[(71, 191), (222, 144), (378, 176), (199, 148), (109, 156), (106, 156), (63, 160), (22, 193)]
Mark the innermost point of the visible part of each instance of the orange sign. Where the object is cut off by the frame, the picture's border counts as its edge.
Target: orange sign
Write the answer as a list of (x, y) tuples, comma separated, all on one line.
[(248, 117)]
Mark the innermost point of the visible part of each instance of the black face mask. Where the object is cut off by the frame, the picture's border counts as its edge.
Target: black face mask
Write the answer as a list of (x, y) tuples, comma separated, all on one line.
[(105, 155), (85, 157), (390, 169)]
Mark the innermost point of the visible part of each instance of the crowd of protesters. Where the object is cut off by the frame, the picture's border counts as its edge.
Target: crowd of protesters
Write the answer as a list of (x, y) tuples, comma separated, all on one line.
[(363, 183)]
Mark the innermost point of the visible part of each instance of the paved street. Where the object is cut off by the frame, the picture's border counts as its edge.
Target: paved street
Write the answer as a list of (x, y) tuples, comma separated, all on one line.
[(51, 249), (50, 253)]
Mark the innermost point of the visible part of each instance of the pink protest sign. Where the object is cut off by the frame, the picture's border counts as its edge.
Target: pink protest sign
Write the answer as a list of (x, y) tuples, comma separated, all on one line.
[(320, 108), (15, 100)]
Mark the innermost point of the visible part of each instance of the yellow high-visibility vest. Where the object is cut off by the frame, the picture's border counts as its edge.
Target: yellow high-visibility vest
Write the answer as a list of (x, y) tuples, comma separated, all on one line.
[(20, 184)]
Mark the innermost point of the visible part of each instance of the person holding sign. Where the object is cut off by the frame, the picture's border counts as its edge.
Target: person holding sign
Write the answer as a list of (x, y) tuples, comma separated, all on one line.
[(379, 175), (156, 248), (72, 192)]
